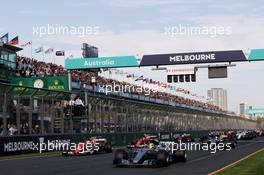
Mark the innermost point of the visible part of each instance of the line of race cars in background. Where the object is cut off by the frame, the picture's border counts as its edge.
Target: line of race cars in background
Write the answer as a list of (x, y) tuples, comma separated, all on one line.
[(149, 150)]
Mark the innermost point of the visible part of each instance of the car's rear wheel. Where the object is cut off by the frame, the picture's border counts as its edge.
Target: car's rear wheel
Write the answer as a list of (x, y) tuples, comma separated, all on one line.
[(163, 158), (184, 157), (108, 148), (180, 156)]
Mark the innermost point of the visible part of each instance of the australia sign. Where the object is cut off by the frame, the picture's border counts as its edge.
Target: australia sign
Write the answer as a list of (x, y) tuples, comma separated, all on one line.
[(102, 62)]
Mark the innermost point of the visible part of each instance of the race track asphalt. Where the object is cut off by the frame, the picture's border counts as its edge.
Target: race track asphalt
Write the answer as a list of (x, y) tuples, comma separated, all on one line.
[(199, 163)]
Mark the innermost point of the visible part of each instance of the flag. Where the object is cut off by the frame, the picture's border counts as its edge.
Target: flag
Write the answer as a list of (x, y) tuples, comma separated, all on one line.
[(130, 76), (38, 50), (139, 78), (4, 39), (146, 80), (60, 53), (158, 83), (14, 41), (50, 50), (187, 92), (26, 44)]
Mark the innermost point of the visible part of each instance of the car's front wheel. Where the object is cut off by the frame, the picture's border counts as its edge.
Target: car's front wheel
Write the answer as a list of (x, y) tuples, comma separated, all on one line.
[(119, 156)]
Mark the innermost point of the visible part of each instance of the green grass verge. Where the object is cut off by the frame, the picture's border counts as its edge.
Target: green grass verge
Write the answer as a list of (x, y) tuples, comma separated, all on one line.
[(30, 155), (253, 165), (44, 154)]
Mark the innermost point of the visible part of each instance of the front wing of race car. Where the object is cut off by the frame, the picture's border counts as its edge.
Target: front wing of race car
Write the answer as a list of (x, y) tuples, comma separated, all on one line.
[(74, 153), (146, 163)]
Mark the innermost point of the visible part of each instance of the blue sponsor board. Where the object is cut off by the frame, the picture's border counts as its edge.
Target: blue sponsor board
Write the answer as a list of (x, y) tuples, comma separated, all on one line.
[(256, 111), (102, 62), (256, 54), (193, 58)]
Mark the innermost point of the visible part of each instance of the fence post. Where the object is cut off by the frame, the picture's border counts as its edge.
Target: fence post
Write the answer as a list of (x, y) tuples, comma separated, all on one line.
[(30, 115), (18, 115), (4, 114), (42, 116)]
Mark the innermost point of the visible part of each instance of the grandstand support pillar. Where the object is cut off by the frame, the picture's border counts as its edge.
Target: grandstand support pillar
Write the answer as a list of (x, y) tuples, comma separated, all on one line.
[(149, 121), (154, 121), (71, 119), (140, 121), (102, 107), (95, 117), (62, 113), (146, 121), (183, 122), (69, 80), (195, 122), (18, 115), (87, 110), (52, 116), (42, 116), (178, 122), (199, 118), (174, 123), (5, 114), (159, 123), (171, 121), (133, 122), (137, 121), (126, 119), (115, 118), (109, 117), (30, 115)]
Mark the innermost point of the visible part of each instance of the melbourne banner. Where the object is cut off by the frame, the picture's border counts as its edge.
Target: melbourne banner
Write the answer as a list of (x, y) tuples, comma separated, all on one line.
[(102, 62), (193, 58), (50, 83)]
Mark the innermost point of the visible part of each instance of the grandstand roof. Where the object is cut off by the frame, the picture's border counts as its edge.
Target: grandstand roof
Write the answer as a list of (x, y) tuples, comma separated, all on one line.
[(11, 47)]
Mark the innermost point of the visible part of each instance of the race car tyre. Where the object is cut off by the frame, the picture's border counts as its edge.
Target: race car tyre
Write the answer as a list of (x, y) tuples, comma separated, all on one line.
[(233, 145), (108, 148), (119, 155), (180, 156), (163, 158), (185, 157)]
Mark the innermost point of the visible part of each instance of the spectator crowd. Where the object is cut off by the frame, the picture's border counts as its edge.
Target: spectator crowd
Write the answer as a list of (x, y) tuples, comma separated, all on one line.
[(29, 67)]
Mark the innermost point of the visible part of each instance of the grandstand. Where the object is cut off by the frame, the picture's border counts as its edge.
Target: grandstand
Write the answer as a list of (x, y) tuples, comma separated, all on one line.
[(30, 109), (28, 67)]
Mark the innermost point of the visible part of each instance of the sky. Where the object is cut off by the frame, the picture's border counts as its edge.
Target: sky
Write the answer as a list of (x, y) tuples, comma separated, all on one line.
[(138, 27)]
